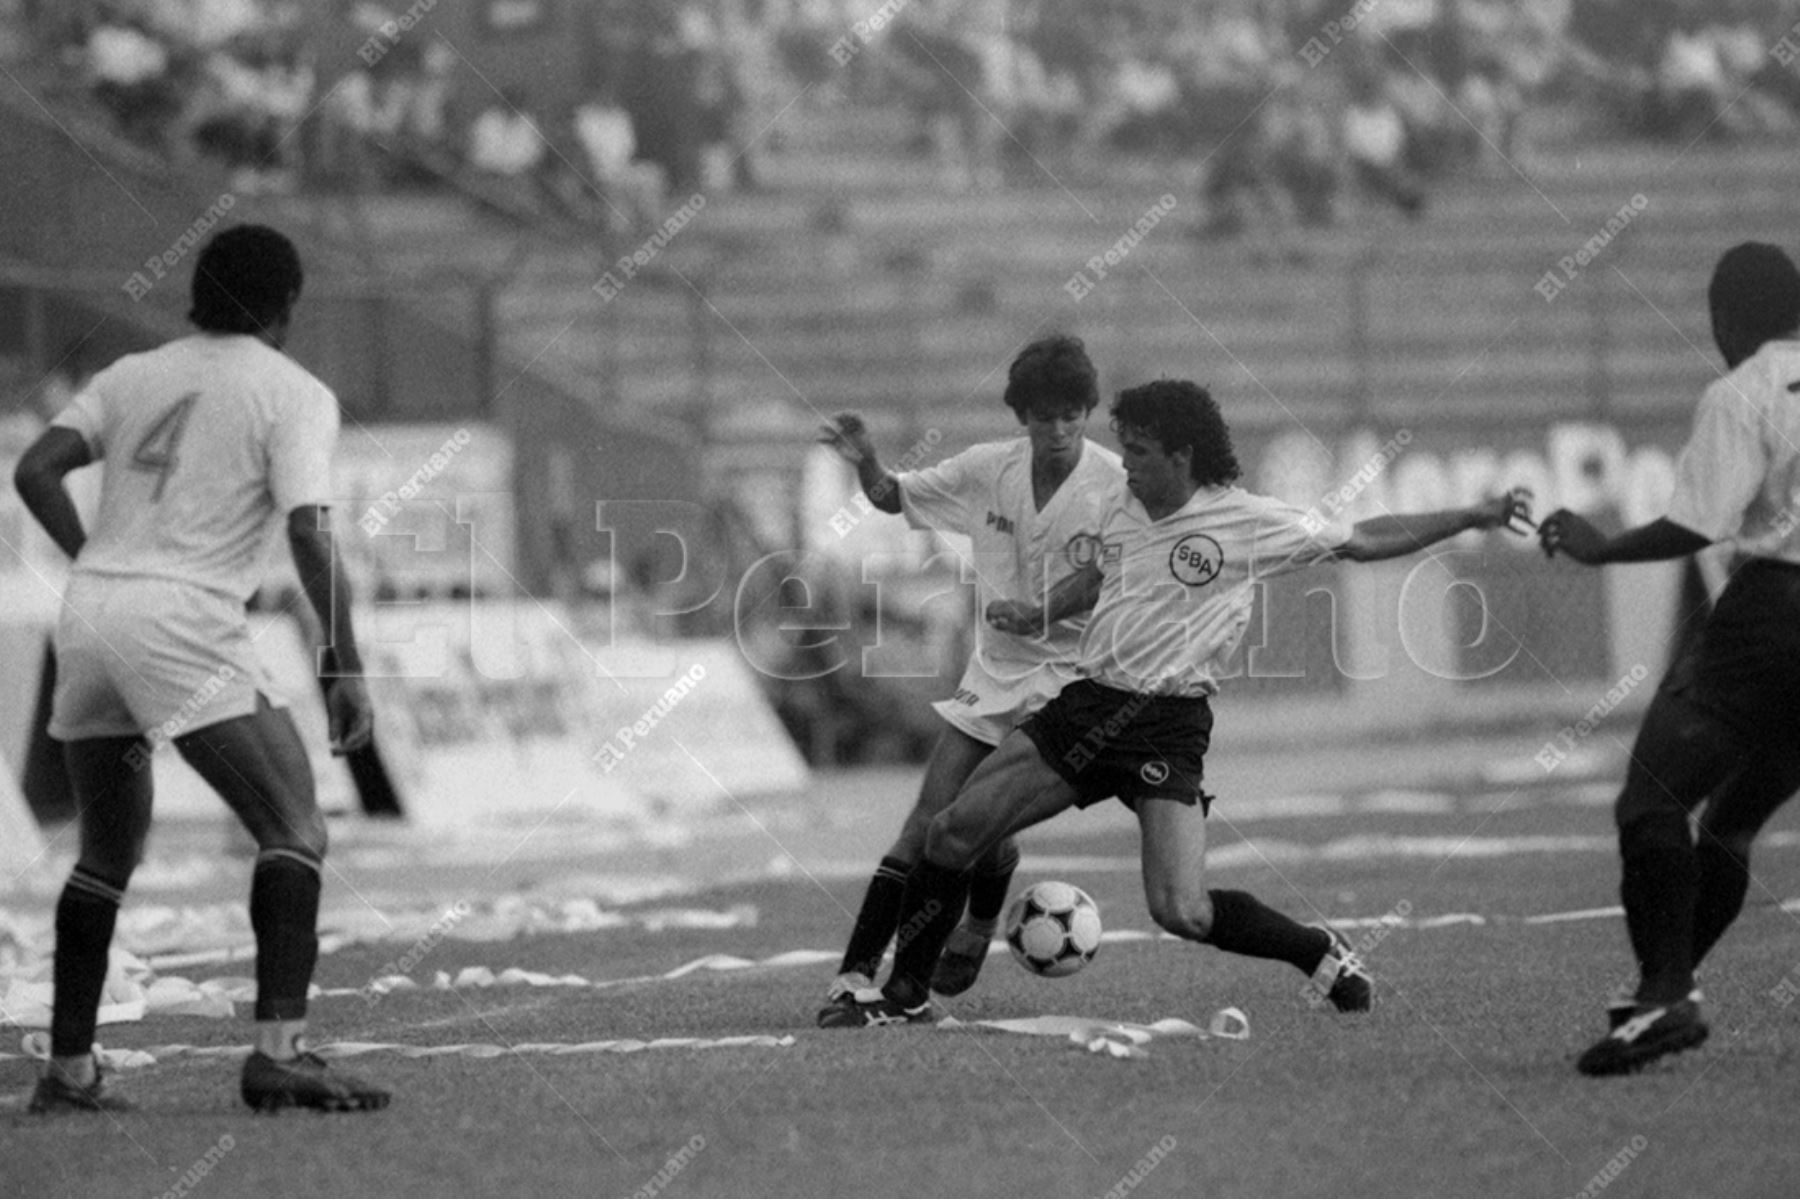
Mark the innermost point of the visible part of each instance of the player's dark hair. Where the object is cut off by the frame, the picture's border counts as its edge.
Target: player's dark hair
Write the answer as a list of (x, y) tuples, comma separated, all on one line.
[(1052, 374), (1180, 414), (1755, 298), (245, 280)]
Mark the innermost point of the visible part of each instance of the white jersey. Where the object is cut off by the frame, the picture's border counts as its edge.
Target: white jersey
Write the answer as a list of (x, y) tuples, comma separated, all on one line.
[(1177, 592), (1738, 477), (1017, 552), (209, 442)]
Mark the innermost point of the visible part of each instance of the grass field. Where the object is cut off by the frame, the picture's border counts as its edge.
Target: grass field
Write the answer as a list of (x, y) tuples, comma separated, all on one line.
[(1459, 1083)]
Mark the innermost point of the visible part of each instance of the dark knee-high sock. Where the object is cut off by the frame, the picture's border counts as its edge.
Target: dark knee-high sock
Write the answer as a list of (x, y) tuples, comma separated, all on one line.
[(85, 916), (929, 910), (1244, 924), (1658, 885), (993, 876), (284, 915), (877, 919), (1724, 880)]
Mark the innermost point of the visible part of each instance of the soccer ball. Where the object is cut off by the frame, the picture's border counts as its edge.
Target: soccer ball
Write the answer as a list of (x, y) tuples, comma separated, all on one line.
[(1053, 929)]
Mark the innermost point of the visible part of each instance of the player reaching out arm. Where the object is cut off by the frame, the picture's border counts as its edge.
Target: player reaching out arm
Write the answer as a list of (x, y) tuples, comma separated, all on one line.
[(209, 442), (1030, 507), (1722, 723), (1171, 586)]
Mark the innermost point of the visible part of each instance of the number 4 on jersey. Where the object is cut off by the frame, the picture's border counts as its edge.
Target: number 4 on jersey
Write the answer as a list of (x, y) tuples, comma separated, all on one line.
[(156, 452)]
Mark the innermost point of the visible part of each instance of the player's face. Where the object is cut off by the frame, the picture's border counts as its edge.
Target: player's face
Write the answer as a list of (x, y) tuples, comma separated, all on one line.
[(1056, 435), (1157, 478)]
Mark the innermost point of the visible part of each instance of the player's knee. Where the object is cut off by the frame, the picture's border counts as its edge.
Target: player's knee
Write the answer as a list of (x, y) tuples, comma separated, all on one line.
[(1185, 913), (951, 843), (305, 833)]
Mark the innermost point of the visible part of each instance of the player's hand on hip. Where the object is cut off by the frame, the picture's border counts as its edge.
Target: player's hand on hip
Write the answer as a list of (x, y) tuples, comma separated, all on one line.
[(848, 437), (1572, 536), (1510, 511), (1016, 617), (349, 714)]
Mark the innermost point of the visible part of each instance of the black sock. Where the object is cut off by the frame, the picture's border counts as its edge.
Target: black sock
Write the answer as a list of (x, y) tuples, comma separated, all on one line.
[(1659, 883), (85, 916), (1724, 880), (877, 919), (929, 910), (993, 876), (284, 915), (1244, 924)]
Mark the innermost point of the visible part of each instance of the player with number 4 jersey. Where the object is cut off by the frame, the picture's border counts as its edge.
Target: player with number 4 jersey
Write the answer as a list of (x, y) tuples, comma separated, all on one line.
[(211, 444)]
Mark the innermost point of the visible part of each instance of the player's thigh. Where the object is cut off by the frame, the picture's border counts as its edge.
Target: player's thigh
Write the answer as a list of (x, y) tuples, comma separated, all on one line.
[(1684, 752), (953, 759), (1012, 789), (1737, 812), (113, 795), (258, 765), (1174, 859)]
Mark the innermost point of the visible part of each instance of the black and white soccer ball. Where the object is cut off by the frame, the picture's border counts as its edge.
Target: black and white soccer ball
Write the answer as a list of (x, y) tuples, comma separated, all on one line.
[(1053, 929)]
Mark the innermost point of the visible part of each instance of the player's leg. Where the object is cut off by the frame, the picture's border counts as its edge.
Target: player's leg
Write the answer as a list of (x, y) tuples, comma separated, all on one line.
[(259, 766), (1728, 825), (111, 780), (1013, 789), (1174, 860), (953, 759)]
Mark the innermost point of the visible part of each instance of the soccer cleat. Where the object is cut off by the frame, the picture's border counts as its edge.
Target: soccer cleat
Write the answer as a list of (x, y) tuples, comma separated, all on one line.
[(1341, 977), (1624, 1002), (840, 1001), (871, 1008), (960, 963), (1652, 1031), (54, 1096), (269, 1085)]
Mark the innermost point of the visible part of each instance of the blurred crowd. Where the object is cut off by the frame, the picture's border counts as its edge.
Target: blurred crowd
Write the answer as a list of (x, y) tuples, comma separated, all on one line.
[(1294, 105)]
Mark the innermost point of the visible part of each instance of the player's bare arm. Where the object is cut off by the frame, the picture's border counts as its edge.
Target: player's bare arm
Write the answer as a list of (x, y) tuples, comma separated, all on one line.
[(39, 478), (1071, 596), (1576, 537), (1383, 537), (351, 716), (848, 437)]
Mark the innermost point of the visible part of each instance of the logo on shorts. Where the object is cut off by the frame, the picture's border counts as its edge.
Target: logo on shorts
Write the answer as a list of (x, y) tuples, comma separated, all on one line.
[(1082, 550), (1154, 773), (1196, 560)]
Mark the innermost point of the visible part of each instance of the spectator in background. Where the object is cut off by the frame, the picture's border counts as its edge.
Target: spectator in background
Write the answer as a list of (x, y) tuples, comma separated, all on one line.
[(632, 191), (1375, 144), (132, 76), (503, 140)]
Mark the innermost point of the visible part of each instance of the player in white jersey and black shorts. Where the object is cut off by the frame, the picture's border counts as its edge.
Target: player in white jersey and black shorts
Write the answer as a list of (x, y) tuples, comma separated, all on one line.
[(1171, 592), (1031, 507), (1724, 726), (210, 444)]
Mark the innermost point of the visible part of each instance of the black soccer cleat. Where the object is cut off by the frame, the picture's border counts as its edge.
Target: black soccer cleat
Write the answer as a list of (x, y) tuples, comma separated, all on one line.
[(840, 1001), (1652, 1031), (269, 1085), (1623, 1003), (1341, 977), (53, 1096), (959, 965), (874, 1009)]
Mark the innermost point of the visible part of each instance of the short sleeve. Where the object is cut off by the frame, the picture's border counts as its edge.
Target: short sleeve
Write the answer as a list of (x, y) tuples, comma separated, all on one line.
[(1721, 468), (942, 497), (1286, 538), (86, 414), (300, 449)]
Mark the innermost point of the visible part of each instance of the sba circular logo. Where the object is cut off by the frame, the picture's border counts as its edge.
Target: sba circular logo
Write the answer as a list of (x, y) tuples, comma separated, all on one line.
[(1154, 773), (1082, 550), (1196, 560)]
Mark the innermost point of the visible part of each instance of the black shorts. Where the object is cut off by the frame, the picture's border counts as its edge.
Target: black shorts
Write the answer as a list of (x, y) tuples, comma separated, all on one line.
[(1110, 743), (1744, 666)]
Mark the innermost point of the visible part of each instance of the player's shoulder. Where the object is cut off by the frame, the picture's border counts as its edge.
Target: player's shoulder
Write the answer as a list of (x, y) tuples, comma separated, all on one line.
[(1768, 377)]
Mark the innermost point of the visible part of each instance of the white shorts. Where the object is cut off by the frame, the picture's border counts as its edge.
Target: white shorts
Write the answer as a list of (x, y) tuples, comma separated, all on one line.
[(987, 708), (151, 657)]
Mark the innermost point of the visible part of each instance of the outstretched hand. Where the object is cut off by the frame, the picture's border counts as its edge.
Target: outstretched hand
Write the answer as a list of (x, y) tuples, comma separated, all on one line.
[(1572, 535), (848, 437), (349, 714), (1510, 511)]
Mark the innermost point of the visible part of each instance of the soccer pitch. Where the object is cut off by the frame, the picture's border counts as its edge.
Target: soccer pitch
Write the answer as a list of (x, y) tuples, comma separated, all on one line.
[(1459, 1083)]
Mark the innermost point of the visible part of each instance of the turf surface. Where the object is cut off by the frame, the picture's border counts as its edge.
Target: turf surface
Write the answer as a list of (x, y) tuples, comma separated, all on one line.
[(1459, 1083)]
